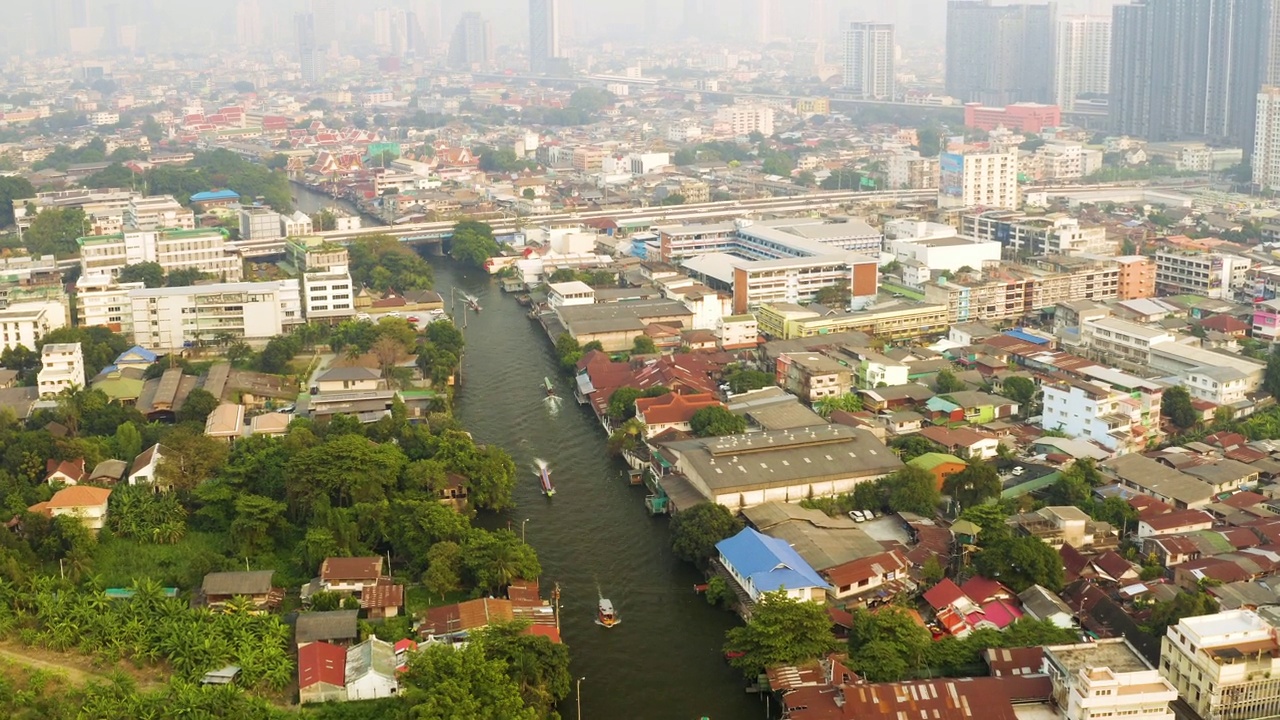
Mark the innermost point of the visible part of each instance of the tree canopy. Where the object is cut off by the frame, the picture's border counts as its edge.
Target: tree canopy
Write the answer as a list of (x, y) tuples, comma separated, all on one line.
[(695, 532), (1176, 405), (382, 263), (473, 243), (781, 631), (974, 485), (717, 421)]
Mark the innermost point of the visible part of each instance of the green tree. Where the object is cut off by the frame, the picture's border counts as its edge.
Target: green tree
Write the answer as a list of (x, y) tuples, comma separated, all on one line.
[(258, 520), (150, 274), (1176, 406), (1020, 390), (382, 262), (1020, 562), (932, 571), (185, 277), (493, 560), (442, 683), (834, 296), (695, 531), (1271, 377), (55, 231), (127, 442), (914, 490), (199, 404), (473, 243), (12, 188), (1184, 604), (643, 345), (538, 666), (847, 402), (672, 200), (777, 164), (444, 569), (806, 178), (717, 421), (781, 631), (740, 379), (910, 447), (591, 99), (974, 485), (947, 382)]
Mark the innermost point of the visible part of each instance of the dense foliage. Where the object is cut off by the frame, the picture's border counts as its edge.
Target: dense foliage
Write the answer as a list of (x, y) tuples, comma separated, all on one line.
[(472, 243), (717, 421), (695, 532), (382, 263), (782, 631)]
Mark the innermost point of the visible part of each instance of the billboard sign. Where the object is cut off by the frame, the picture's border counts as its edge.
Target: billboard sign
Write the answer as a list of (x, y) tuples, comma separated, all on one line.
[(951, 175)]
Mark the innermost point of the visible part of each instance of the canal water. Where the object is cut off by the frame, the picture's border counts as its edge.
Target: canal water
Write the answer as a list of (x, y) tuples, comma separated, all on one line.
[(664, 661)]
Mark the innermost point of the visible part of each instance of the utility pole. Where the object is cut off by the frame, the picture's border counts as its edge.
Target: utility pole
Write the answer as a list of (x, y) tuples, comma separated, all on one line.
[(579, 694)]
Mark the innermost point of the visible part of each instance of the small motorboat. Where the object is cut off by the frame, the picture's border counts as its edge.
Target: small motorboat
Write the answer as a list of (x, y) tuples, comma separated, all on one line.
[(544, 478), (606, 616), (551, 388)]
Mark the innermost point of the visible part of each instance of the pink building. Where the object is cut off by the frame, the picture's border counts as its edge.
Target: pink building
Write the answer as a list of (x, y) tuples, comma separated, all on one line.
[(1020, 117), (1266, 321)]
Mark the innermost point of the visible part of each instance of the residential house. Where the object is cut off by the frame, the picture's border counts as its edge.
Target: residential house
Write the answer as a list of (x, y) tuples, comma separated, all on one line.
[(254, 585), (1159, 481), (873, 370), (455, 490), (813, 376), (136, 357), (333, 626), (67, 472), (760, 564), (347, 379), (940, 465), (1107, 678), (1064, 524), (1178, 521), (983, 604), (226, 422), (971, 406), (672, 411), (143, 470), (870, 580), (322, 673), (1043, 604), (964, 442), (89, 504), (452, 623), (384, 599), (903, 422), (350, 575), (108, 472), (364, 671)]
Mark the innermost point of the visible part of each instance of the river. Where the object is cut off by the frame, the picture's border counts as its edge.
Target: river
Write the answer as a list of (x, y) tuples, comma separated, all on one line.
[(663, 661)]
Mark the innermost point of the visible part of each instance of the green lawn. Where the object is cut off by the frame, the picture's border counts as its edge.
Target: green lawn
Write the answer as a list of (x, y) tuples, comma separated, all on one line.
[(183, 565), (417, 599)]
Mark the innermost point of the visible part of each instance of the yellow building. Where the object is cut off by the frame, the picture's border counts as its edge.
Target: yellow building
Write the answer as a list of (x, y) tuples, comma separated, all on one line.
[(786, 321), (813, 106)]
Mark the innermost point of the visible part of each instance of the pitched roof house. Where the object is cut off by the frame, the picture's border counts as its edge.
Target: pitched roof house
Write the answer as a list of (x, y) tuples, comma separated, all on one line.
[(672, 411), (350, 575), (82, 501), (67, 472), (761, 564), (145, 465)]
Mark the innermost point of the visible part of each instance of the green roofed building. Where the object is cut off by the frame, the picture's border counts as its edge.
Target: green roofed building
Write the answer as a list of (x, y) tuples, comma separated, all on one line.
[(939, 464)]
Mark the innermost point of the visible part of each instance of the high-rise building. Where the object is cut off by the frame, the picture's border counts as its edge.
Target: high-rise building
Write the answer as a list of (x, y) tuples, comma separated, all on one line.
[(985, 178), (1266, 145), (472, 43), (1083, 66), (1189, 68), (544, 34), (309, 54), (248, 24), (868, 60), (1000, 54)]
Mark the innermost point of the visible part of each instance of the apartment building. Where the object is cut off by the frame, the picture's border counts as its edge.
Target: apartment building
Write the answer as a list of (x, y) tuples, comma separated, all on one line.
[(314, 253), (1219, 378), (872, 369), (896, 321), (1226, 666), (1122, 343), (159, 212), (1056, 234), (778, 261), (1014, 291), (1107, 678), (24, 324), (1058, 160), (328, 294), (103, 302), (204, 250), (1212, 275), (61, 368), (812, 376), (743, 120), (909, 171), (260, 223), (95, 203), (1137, 277), (169, 318), (1115, 410), (979, 178)]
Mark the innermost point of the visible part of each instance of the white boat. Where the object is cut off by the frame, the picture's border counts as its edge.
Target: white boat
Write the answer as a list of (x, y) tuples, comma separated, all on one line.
[(606, 616)]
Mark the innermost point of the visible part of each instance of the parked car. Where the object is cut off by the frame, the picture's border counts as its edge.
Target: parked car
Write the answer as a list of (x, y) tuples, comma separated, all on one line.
[(1019, 470), (288, 409)]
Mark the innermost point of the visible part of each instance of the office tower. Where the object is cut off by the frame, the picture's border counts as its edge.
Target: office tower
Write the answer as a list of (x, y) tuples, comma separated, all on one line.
[(1083, 66), (309, 53), (765, 21), (248, 24), (868, 60), (472, 43), (544, 34), (1000, 54), (1266, 146), (325, 13), (1189, 68)]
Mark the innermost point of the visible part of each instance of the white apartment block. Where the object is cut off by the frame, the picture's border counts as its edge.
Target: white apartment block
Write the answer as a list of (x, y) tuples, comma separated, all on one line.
[(296, 225), (203, 250), (1220, 378), (103, 302), (909, 171), (24, 324), (170, 318), (346, 223), (1066, 161), (327, 294), (1083, 65), (1117, 411), (260, 223), (1054, 234), (1122, 343), (159, 212), (937, 248), (1266, 139), (1107, 679), (979, 179), (61, 368), (1226, 666), (868, 61), (746, 119), (1213, 275), (98, 119)]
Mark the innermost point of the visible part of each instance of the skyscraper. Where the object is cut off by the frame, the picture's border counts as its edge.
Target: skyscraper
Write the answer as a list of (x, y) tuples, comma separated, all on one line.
[(309, 53), (1189, 68), (1000, 54), (868, 60), (1083, 64), (1266, 146), (544, 34), (472, 43), (248, 24)]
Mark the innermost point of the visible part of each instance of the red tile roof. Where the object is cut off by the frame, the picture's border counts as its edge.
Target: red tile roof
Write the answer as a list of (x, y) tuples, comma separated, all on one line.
[(468, 615), (338, 569), (982, 590), (1115, 566), (1000, 613), (944, 594), (855, 571), (321, 662), (1178, 518), (73, 469), (548, 631), (1245, 499), (674, 408)]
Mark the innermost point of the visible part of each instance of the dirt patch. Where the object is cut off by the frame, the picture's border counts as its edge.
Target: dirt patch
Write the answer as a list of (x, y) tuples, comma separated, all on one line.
[(78, 668)]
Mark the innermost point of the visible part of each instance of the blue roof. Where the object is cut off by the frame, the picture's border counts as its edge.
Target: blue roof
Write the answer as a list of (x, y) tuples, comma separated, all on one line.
[(138, 352), (937, 404), (1027, 337), (215, 195), (770, 563)]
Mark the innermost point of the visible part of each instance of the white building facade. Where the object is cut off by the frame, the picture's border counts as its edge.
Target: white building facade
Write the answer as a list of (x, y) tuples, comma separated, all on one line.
[(61, 368), (203, 250), (868, 61), (1225, 665), (170, 318), (1083, 64), (986, 179), (26, 323)]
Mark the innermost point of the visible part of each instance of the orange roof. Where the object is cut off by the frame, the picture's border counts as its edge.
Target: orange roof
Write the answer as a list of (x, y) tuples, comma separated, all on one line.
[(467, 615), (79, 496), (674, 408)]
